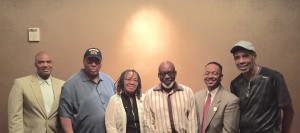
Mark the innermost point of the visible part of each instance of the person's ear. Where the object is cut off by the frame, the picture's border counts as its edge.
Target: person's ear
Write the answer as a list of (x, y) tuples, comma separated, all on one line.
[(35, 64), (221, 76)]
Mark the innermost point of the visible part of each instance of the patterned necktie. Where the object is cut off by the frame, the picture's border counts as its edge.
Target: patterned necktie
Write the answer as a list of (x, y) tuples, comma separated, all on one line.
[(205, 112)]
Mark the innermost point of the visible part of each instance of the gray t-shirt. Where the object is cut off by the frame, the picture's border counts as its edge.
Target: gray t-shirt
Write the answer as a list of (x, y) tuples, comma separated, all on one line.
[(85, 102)]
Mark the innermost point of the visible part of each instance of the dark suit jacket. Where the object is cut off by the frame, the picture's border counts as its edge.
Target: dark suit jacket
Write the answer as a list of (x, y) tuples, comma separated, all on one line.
[(224, 112), (26, 109)]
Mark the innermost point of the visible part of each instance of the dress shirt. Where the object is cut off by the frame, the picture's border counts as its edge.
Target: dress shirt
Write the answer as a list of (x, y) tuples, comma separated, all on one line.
[(212, 93), (47, 92)]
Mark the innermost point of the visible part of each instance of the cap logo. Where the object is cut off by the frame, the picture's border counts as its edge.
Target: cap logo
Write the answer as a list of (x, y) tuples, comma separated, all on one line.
[(94, 51)]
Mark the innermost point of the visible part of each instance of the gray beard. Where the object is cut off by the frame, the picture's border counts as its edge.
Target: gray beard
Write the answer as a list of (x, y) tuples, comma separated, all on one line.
[(168, 86)]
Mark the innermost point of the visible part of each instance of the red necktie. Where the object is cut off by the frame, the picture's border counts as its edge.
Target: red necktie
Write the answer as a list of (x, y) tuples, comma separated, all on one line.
[(205, 112)]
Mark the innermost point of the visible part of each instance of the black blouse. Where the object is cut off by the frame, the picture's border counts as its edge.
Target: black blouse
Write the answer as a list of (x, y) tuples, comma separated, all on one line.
[(133, 124)]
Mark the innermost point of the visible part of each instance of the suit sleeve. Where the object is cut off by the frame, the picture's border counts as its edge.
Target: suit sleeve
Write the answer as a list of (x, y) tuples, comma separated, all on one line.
[(192, 117), (197, 112), (110, 117), (15, 109), (232, 117)]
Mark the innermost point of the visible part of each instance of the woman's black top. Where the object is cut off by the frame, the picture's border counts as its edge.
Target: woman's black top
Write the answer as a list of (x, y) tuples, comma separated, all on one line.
[(133, 124)]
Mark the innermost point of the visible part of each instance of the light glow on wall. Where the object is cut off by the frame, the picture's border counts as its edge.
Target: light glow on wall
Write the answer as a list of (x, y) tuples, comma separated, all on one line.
[(148, 31)]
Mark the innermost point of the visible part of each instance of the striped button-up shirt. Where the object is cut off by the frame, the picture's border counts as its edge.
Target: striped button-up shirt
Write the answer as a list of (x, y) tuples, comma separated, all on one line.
[(164, 111)]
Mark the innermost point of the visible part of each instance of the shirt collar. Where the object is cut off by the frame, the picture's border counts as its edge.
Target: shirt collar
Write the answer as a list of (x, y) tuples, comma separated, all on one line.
[(177, 87), (41, 81), (84, 76), (213, 92)]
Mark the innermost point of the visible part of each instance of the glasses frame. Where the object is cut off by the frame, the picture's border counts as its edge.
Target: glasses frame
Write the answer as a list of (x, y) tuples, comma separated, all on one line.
[(170, 73)]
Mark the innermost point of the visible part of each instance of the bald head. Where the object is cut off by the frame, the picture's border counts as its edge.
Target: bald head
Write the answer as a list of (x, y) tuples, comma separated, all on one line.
[(166, 64), (41, 54), (167, 74), (43, 63)]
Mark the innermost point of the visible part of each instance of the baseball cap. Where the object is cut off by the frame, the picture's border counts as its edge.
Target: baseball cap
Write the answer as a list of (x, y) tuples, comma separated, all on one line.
[(93, 52), (245, 45)]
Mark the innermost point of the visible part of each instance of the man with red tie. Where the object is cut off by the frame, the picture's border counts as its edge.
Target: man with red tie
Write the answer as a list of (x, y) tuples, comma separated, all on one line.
[(217, 109)]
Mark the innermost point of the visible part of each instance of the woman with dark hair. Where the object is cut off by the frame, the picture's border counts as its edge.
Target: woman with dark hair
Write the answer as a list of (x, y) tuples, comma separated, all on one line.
[(124, 113)]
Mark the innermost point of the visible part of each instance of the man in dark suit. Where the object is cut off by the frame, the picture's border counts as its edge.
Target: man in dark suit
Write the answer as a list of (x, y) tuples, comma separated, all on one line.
[(33, 100), (217, 109)]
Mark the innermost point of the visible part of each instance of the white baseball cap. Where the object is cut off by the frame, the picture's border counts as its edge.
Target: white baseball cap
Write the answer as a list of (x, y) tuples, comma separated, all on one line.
[(245, 45)]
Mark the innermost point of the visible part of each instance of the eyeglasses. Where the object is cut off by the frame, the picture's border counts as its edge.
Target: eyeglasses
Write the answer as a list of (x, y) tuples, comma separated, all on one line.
[(170, 73)]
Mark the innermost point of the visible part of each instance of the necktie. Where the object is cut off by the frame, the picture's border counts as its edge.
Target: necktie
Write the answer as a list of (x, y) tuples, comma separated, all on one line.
[(205, 112)]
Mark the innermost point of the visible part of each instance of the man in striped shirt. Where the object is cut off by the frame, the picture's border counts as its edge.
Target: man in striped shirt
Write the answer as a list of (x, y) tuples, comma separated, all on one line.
[(169, 107)]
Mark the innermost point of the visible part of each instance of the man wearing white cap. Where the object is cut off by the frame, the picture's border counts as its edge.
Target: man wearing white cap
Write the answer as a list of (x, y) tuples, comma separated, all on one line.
[(263, 94)]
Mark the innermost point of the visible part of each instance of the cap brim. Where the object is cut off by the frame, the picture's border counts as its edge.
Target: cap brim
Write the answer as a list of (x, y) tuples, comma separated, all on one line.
[(237, 48), (92, 56)]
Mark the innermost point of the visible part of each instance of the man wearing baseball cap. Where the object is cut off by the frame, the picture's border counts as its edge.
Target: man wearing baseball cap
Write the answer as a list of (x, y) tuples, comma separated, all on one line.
[(263, 94), (85, 96)]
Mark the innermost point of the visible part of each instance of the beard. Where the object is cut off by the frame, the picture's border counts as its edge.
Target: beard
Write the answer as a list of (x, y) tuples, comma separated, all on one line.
[(168, 86)]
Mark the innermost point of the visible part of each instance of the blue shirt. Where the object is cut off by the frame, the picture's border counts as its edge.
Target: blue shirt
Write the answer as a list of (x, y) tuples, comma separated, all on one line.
[(85, 102)]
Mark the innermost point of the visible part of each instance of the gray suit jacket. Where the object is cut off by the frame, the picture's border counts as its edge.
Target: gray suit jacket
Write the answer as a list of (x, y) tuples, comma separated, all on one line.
[(224, 112), (26, 109)]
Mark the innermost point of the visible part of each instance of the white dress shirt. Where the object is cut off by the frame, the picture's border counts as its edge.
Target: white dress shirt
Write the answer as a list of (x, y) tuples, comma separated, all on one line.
[(47, 92)]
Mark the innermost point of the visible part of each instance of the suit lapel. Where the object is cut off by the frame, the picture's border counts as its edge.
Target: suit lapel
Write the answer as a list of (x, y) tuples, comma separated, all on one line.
[(201, 101), (214, 105), (56, 94), (38, 93)]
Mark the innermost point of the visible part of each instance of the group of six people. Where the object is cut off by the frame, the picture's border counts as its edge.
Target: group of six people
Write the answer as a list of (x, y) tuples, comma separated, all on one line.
[(90, 102)]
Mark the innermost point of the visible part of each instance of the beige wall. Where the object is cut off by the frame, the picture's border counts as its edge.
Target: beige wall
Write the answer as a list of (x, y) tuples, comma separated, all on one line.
[(140, 34)]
